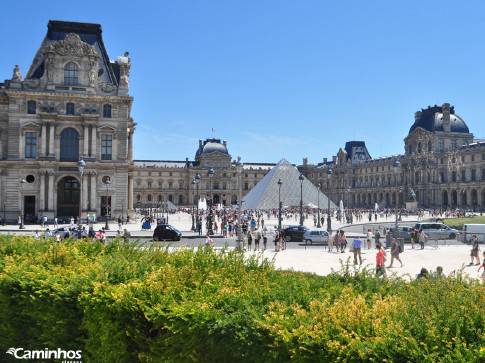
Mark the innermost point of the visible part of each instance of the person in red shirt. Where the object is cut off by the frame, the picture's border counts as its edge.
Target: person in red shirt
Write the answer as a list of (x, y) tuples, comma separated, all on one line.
[(380, 269)]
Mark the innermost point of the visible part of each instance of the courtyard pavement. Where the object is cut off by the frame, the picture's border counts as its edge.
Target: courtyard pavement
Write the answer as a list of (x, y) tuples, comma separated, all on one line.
[(452, 256)]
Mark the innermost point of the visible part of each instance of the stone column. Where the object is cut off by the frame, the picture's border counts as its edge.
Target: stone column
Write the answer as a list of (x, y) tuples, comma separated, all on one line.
[(86, 140), (93, 142), (93, 192), (130, 192), (51, 192), (51, 139), (43, 141), (42, 191), (130, 146)]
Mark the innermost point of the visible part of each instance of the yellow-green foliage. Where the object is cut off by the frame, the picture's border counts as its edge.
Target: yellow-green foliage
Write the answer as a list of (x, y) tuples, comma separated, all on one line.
[(123, 303)]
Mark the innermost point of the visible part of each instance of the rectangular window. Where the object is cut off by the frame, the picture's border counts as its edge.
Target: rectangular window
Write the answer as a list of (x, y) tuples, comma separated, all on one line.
[(483, 174), (149, 173), (106, 147), (224, 185), (149, 184), (442, 177), (106, 110), (474, 175), (69, 108), (473, 157), (246, 186), (463, 175), (31, 107), (31, 144)]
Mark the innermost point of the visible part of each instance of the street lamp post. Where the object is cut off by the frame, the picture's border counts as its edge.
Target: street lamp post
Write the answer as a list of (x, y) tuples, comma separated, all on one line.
[(211, 176), (4, 207), (193, 203), (301, 178), (239, 167), (22, 182), (80, 167), (329, 218), (107, 182), (396, 165), (318, 207), (279, 204), (197, 181)]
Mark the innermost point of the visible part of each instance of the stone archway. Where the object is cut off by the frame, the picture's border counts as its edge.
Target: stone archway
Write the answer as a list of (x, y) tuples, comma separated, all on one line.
[(454, 198), (217, 198), (445, 200), (68, 197)]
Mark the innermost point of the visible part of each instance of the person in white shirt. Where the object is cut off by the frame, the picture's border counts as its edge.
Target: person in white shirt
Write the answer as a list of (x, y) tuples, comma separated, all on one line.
[(369, 239)]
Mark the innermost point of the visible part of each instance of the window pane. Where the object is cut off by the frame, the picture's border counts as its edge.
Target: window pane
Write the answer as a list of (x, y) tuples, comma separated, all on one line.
[(106, 147), (31, 107), (69, 145), (71, 74), (107, 111), (30, 144)]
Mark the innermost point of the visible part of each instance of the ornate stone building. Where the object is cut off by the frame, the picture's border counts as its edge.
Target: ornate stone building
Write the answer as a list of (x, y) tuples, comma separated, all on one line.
[(73, 103), (442, 167), (158, 181)]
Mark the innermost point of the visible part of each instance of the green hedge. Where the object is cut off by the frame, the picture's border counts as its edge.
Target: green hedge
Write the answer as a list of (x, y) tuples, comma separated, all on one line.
[(124, 303)]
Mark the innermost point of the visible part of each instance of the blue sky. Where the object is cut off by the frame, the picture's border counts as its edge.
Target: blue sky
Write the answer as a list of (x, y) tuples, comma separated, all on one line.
[(275, 78)]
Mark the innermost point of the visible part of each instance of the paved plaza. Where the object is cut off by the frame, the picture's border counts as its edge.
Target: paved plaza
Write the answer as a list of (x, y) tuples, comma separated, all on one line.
[(451, 255)]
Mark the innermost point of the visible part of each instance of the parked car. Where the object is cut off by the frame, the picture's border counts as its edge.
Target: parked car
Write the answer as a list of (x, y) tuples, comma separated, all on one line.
[(294, 233), (63, 231), (437, 230), (404, 232), (165, 232), (316, 236)]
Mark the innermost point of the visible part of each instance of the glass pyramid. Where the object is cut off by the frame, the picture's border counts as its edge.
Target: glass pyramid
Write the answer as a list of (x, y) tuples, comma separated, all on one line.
[(265, 194)]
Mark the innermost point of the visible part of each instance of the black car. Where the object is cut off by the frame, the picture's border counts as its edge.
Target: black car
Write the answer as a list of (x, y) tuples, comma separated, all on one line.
[(294, 233), (165, 232)]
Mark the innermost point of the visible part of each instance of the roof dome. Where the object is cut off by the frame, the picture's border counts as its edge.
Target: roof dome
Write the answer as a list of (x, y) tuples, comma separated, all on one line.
[(210, 146), (434, 119)]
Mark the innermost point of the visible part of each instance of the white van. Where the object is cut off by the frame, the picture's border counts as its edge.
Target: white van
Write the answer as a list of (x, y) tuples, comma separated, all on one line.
[(473, 229)]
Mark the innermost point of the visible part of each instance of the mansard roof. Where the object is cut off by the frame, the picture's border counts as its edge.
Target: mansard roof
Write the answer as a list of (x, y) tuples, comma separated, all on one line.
[(87, 32), (431, 119)]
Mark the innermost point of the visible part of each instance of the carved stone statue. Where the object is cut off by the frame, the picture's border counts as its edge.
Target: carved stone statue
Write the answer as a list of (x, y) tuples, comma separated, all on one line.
[(16, 74), (411, 195)]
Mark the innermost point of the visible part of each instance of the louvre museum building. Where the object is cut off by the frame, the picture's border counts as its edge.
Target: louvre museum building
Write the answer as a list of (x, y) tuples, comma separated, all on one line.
[(73, 104)]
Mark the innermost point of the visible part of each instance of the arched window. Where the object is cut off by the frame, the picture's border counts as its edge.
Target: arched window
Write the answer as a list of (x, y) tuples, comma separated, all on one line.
[(69, 145), (106, 110), (71, 74), (149, 197)]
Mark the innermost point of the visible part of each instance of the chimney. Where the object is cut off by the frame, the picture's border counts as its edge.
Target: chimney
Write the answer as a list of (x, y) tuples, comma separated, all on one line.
[(417, 115), (324, 160), (334, 159), (224, 142), (446, 117)]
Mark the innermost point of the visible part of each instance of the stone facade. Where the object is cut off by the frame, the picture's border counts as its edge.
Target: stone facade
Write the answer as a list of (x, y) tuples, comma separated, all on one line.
[(158, 181), (72, 104), (442, 167)]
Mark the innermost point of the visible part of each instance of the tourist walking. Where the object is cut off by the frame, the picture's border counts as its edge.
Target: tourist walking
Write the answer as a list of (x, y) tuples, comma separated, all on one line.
[(377, 236), (357, 246), (483, 265), (380, 260), (331, 240), (369, 239), (475, 250), (395, 253), (250, 240), (342, 241), (422, 238)]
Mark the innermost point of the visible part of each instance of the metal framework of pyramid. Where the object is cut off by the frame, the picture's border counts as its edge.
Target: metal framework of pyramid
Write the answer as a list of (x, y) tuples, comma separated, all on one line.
[(264, 195)]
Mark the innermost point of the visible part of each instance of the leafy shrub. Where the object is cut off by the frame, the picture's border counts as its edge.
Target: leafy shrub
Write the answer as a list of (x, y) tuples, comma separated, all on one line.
[(127, 303)]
